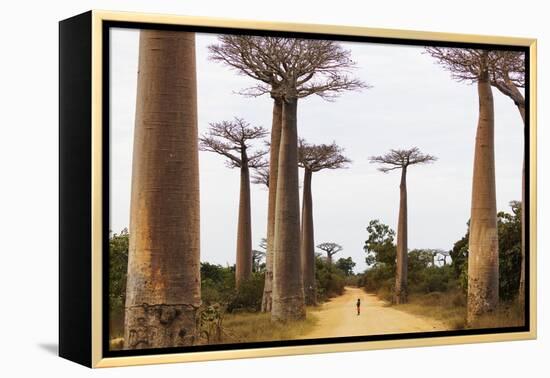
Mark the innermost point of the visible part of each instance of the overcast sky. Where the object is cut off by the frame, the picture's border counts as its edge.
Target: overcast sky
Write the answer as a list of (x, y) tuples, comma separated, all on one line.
[(412, 102)]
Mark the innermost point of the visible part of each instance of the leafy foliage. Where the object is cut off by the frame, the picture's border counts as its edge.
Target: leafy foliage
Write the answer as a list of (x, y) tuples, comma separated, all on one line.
[(346, 265), (423, 275), (426, 277), (379, 247), (509, 245), (118, 268), (509, 250), (218, 287), (217, 283), (249, 295), (330, 280)]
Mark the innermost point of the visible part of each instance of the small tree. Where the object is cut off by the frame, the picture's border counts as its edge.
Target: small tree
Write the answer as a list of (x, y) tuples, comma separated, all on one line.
[(401, 159), (330, 249), (380, 247), (313, 158), (232, 140), (346, 265)]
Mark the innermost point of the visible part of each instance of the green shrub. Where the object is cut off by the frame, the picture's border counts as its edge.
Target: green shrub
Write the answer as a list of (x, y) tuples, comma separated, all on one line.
[(249, 295), (330, 281), (217, 283), (377, 277)]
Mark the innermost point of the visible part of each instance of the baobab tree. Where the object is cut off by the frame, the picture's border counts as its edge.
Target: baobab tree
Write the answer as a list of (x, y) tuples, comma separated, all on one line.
[(508, 75), (232, 140), (401, 159), (163, 284), (330, 249), (474, 66), (287, 69), (313, 158)]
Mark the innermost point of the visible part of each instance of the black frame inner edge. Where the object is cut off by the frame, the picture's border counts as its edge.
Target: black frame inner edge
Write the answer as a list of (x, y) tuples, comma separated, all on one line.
[(107, 25)]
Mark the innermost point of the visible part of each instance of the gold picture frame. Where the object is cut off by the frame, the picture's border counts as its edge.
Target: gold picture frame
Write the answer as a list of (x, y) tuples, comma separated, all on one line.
[(82, 268)]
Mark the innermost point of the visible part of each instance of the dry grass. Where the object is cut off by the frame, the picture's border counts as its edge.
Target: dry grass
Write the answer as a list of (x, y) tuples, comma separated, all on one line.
[(250, 327), (508, 314), (449, 308)]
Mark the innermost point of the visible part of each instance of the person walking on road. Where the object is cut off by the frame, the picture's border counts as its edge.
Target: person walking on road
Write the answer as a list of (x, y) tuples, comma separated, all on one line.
[(358, 306)]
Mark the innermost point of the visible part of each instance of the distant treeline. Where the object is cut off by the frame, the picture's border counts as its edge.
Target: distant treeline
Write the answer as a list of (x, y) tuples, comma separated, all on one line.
[(218, 282), (431, 271)]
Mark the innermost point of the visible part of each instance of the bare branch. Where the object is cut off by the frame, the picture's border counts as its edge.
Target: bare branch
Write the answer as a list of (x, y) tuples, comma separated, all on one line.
[(257, 160), (508, 75), (399, 158), (322, 156), (231, 139), (470, 65), (261, 176), (288, 67)]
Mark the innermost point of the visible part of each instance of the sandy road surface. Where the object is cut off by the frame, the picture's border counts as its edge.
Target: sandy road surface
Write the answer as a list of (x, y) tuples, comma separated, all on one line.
[(338, 318)]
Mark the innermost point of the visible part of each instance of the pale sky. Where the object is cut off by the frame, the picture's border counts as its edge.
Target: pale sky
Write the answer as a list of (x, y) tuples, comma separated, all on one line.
[(412, 102)]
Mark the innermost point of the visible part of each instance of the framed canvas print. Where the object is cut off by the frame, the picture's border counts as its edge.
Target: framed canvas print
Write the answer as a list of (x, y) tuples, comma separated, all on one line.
[(234, 189)]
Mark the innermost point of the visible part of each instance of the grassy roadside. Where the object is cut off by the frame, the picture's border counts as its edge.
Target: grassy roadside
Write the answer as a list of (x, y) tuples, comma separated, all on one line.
[(250, 327), (254, 326), (450, 308)]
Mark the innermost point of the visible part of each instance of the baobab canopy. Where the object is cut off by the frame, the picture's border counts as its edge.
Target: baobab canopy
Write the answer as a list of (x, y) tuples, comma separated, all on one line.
[(288, 66)]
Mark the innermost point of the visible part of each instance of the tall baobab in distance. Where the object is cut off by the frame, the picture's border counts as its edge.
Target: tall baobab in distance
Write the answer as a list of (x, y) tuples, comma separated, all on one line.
[(508, 75), (313, 158), (232, 140), (330, 249), (288, 69), (163, 286), (401, 159), (475, 66)]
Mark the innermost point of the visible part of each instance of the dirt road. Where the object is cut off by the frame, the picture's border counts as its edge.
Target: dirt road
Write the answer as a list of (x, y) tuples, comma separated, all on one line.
[(338, 317)]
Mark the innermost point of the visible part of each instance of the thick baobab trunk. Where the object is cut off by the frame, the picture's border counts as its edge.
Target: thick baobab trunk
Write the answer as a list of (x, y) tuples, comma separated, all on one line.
[(273, 169), (288, 290), (483, 243), (163, 287), (402, 247), (329, 258), (307, 246), (243, 268)]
